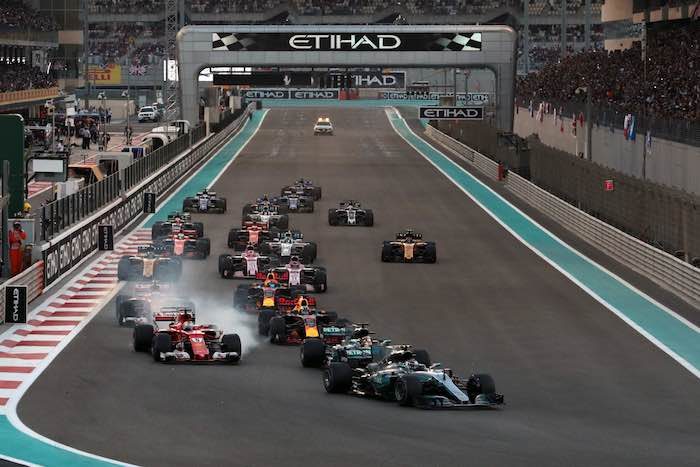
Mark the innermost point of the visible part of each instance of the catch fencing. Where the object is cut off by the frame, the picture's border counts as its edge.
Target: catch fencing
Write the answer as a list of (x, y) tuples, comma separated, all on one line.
[(665, 269)]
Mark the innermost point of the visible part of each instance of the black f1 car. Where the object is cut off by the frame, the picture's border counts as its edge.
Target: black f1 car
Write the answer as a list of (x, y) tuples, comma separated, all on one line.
[(409, 247), (178, 222), (401, 377), (302, 187), (290, 243), (351, 212), (204, 201), (147, 264)]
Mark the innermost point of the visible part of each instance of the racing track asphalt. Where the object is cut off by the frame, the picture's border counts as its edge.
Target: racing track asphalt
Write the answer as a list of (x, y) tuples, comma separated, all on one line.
[(582, 387)]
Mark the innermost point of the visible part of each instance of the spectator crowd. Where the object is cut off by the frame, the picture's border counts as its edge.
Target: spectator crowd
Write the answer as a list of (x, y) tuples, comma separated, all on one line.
[(671, 88), (15, 14), (18, 77)]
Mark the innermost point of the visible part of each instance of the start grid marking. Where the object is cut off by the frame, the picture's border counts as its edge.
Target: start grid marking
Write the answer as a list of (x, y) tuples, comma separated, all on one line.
[(24, 346)]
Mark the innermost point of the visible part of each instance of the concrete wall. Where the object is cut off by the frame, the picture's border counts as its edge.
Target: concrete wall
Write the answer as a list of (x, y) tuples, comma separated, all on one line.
[(669, 163)]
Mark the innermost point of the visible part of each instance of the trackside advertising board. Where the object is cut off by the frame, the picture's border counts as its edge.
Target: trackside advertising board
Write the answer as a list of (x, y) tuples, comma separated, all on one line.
[(320, 94)]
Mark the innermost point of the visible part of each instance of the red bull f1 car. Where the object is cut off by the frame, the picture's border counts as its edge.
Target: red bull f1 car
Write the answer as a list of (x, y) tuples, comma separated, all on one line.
[(182, 340), (205, 202), (409, 247), (301, 323)]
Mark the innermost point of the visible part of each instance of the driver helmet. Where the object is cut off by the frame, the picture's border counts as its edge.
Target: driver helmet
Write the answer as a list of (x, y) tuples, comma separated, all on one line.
[(294, 261), (180, 236), (187, 325)]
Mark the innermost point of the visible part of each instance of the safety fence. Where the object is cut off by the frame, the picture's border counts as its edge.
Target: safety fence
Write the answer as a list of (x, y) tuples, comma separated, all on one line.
[(675, 275), (69, 248), (32, 278), (58, 215)]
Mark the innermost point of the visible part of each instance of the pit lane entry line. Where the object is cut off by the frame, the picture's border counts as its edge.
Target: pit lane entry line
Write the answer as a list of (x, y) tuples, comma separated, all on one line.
[(70, 309), (666, 329)]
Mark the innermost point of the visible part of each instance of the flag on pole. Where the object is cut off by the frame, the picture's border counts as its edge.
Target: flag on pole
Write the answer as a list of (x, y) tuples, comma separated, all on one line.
[(647, 142), (633, 128)]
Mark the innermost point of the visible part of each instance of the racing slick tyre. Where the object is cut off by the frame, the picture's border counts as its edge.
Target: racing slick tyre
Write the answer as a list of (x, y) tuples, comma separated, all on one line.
[(131, 309), (422, 357), (158, 230), (369, 218), (308, 253), (320, 282), (480, 383), (123, 269), (312, 353), (240, 296), (189, 205), (162, 343), (169, 271), (338, 377), (231, 343), (316, 193), (430, 255), (143, 337), (283, 209), (203, 247), (332, 218), (199, 227), (283, 222), (264, 319), (224, 264), (386, 253), (247, 209), (232, 236), (278, 330), (219, 205), (406, 389)]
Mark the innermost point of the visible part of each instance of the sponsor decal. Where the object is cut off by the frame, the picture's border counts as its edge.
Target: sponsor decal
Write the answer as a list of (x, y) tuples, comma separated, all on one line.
[(16, 304), (328, 94), (452, 113), (471, 98), (358, 42)]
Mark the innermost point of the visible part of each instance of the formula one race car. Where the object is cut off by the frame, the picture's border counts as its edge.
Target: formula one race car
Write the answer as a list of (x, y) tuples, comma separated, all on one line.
[(409, 247), (246, 265), (148, 264), (290, 243), (251, 233), (350, 212), (352, 345), (295, 203), (266, 295), (177, 222), (294, 273), (301, 323), (401, 377), (184, 341), (204, 201), (302, 187), (270, 217), (146, 301), (184, 247), (264, 203)]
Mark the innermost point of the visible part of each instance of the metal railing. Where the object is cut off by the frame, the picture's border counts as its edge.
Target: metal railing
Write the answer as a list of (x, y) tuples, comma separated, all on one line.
[(32, 277), (610, 116), (675, 275), (62, 213)]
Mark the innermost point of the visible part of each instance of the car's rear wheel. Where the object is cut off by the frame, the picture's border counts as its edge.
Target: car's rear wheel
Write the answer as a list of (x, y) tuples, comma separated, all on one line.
[(123, 269), (423, 357), (264, 319), (338, 377), (369, 218), (430, 255), (332, 217), (386, 253)]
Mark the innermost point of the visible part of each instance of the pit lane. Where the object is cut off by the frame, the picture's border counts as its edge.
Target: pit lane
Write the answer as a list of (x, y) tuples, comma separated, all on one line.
[(582, 387)]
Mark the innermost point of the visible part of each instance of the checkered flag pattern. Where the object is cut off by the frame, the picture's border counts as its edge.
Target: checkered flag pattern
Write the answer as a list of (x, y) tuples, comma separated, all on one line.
[(230, 42), (460, 42)]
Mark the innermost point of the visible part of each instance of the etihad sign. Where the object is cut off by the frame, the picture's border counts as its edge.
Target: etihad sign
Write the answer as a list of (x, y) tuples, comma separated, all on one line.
[(345, 42)]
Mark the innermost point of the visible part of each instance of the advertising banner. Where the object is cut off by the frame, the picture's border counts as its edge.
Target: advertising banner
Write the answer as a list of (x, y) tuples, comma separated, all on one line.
[(109, 74)]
